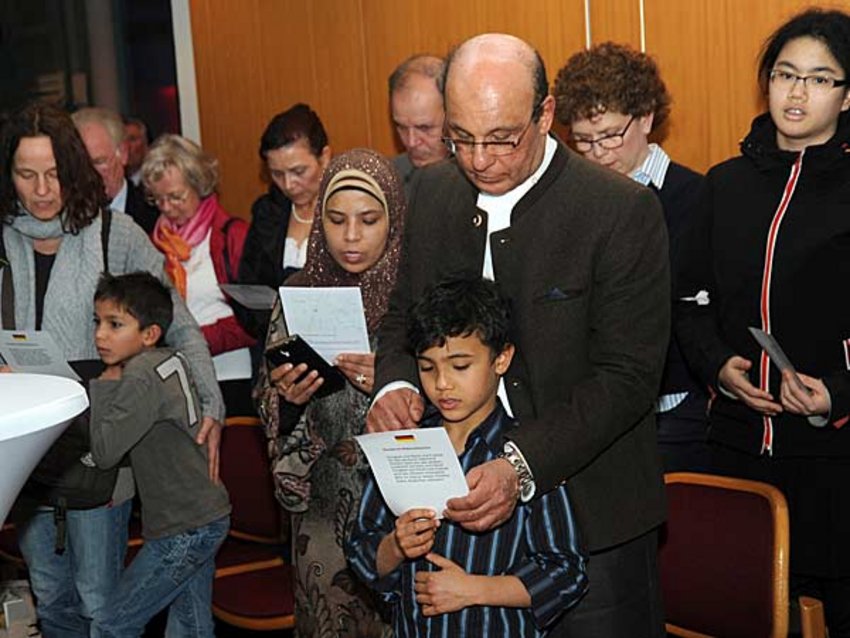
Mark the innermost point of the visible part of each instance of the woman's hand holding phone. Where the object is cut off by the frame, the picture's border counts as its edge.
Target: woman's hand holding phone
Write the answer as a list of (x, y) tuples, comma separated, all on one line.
[(295, 383)]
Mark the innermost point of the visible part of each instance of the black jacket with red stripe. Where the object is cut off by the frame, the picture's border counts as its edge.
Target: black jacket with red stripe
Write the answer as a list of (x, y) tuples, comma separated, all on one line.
[(771, 247)]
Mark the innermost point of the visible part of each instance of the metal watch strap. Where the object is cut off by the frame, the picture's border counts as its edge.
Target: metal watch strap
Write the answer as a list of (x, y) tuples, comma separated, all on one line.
[(513, 456)]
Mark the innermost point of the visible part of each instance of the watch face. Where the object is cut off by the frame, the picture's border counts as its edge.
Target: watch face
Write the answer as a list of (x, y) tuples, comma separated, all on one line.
[(526, 492)]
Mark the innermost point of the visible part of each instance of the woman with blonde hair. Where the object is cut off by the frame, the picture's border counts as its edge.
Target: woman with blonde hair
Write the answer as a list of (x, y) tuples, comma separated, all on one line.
[(202, 245)]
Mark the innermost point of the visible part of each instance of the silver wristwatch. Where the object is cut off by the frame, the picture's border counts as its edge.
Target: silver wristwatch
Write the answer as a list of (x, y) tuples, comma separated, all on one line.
[(513, 456)]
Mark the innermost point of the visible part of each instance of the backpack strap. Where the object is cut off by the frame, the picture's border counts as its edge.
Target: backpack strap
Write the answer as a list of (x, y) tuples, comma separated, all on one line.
[(227, 269), (7, 301), (105, 223)]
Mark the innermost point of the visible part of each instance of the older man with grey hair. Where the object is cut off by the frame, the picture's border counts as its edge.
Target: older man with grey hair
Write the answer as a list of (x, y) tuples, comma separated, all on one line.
[(581, 254), (416, 102), (103, 134)]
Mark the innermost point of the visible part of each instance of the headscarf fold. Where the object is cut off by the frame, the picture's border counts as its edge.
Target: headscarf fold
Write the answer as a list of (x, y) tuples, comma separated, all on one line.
[(364, 169), (176, 242)]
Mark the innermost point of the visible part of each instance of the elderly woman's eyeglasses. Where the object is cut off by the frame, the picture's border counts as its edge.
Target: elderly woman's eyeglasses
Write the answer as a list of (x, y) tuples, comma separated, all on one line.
[(174, 199), (608, 142), (813, 83)]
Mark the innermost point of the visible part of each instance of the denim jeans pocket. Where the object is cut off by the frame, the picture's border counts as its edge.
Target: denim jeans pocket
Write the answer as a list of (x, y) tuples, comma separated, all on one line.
[(182, 554)]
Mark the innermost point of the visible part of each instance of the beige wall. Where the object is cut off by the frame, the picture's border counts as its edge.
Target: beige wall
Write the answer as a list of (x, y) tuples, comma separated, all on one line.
[(255, 58)]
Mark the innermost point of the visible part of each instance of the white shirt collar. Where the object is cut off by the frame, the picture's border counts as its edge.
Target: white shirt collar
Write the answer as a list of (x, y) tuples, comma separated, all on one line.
[(509, 200), (119, 202), (500, 207)]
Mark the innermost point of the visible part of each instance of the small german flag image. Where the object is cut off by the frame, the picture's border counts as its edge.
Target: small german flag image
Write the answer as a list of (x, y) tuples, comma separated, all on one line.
[(404, 438), (18, 336)]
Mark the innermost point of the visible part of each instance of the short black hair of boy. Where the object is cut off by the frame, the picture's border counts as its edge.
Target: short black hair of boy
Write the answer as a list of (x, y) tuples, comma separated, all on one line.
[(459, 307), (141, 294)]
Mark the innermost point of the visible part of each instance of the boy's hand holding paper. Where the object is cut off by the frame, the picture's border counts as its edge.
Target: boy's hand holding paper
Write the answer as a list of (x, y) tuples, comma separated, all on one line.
[(415, 531)]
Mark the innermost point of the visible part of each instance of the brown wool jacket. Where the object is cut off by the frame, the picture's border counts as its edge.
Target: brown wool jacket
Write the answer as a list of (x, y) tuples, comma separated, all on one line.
[(584, 264)]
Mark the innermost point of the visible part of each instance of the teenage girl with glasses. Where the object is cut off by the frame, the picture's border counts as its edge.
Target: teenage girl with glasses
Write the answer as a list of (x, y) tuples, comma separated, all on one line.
[(771, 248)]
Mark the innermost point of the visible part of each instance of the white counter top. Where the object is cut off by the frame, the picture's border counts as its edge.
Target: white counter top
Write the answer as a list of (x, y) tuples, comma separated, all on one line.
[(34, 410)]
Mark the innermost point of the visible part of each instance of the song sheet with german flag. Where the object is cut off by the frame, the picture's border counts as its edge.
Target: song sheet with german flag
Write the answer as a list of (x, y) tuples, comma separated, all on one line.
[(35, 352), (414, 468)]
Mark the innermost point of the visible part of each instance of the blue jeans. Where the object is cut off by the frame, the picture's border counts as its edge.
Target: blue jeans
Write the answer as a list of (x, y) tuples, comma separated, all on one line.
[(70, 588), (175, 570)]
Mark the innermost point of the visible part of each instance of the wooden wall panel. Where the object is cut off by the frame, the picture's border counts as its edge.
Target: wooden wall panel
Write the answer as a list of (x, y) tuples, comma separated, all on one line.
[(615, 20), (708, 53), (395, 30), (341, 84), (255, 58), (225, 74)]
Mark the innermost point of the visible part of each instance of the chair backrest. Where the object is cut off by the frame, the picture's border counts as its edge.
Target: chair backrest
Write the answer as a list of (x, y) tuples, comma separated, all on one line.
[(245, 471), (812, 619), (723, 557)]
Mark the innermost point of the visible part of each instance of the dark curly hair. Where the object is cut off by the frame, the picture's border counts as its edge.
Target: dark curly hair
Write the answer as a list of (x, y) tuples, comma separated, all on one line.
[(459, 306), (832, 28), (83, 193), (610, 77)]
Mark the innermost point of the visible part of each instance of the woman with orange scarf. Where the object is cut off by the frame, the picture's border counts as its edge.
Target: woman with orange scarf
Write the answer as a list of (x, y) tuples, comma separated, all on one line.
[(202, 245)]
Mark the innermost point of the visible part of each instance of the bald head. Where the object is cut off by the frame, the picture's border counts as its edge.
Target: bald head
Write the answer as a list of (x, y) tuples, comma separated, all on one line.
[(504, 53), (498, 110)]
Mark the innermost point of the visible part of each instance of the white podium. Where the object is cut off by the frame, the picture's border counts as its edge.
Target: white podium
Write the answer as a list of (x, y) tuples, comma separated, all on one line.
[(34, 410)]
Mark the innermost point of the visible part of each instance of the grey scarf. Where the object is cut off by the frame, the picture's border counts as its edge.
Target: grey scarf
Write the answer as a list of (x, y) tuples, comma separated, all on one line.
[(68, 302)]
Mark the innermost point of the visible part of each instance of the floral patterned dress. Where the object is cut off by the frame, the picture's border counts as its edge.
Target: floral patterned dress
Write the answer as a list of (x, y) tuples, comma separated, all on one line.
[(318, 470), (319, 475)]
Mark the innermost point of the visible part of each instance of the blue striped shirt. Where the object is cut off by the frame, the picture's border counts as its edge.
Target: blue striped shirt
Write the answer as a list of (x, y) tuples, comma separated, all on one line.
[(538, 544)]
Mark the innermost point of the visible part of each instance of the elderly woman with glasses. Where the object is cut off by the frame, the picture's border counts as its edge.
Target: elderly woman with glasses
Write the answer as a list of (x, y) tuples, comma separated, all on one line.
[(202, 245), (612, 97)]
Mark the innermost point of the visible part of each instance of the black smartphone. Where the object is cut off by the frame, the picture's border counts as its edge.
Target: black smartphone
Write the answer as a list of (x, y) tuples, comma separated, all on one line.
[(297, 351)]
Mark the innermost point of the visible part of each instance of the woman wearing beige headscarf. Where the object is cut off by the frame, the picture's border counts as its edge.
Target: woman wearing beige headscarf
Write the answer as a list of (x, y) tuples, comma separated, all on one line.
[(319, 475)]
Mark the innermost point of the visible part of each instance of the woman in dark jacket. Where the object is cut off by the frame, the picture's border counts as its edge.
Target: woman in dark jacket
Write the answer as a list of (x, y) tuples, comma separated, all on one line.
[(771, 250), (295, 151)]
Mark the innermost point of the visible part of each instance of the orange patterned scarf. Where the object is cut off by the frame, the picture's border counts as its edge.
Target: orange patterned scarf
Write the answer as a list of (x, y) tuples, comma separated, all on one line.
[(176, 242)]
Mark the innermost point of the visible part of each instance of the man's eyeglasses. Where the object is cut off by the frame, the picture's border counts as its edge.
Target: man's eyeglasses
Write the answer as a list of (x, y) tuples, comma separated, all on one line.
[(496, 148), (608, 142), (813, 83), (175, 199)]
